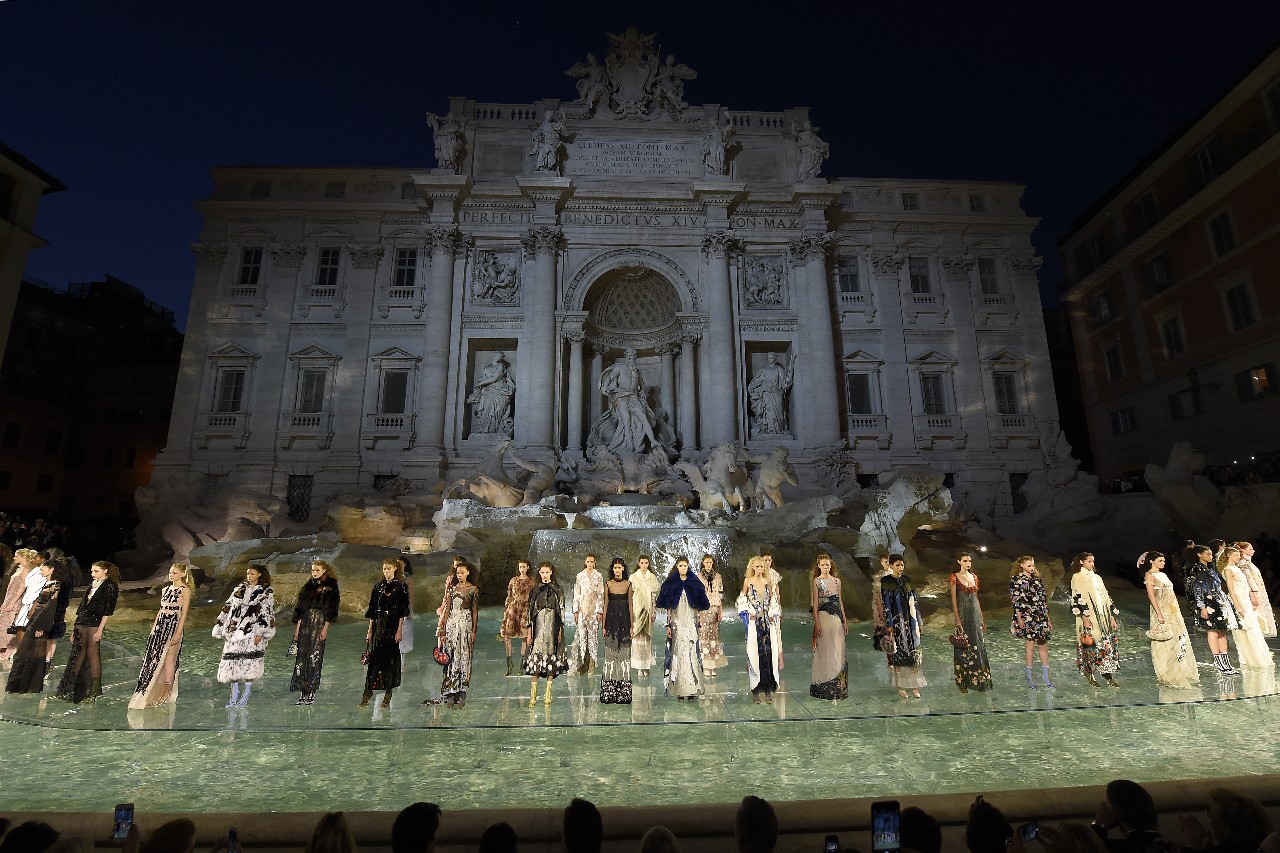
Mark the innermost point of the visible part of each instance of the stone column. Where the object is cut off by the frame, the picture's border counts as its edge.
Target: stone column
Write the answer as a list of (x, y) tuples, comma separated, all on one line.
[(536, 397), (443, 243), (686, 395), (594, 408), (574, 442), (666, 394), (821, 389), (719, 365)]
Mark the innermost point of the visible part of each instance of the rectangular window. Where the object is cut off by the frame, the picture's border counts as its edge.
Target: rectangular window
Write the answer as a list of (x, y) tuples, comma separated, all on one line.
[(1122, 422), (1006, 389), (1172, 336), (977, 204), (44, 484), (847, 276), (327, 267), (919, 271), (1115, 362), (910, 201), (406, 268), (12, 436), (1223, 231), (311, 390), (1158, 273), (1240, 310), (987, 276), (932, 394), (1145, 212), (394, 392), (1185, 404), (1210, 161), (1256, 382), (250, 266), (858, 388), (53, 441), (260, 189), (230, 393), (335, 189)]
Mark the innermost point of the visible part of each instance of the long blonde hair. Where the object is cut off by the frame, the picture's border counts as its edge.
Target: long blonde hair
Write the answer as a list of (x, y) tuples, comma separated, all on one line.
[(1017, 566), (188, 575), (1223, 562)]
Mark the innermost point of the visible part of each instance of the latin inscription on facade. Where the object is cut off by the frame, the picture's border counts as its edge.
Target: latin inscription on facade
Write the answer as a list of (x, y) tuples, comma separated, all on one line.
[(633, 157)]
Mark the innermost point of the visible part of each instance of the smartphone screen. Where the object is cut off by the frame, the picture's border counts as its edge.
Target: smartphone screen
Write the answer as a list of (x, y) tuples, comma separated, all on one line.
[(885, 826), (123, 820), (831, 845), (1029, 831)]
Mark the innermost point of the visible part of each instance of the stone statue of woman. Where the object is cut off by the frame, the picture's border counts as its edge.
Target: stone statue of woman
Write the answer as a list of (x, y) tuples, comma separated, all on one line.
[(491, 398)]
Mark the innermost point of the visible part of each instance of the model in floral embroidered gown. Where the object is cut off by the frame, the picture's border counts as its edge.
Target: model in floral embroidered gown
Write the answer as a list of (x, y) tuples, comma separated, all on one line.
[(709, 620), (899, 624), (246, 623), (457, 635), (28, 669), (970, 665), (82, 678), (544, 633), (588, 610), (761, 614), (683, 596), (830, 667), (387, 610), (1095, 619), (317, 608), (1257, 590), (644, 598), (1251, 646), (1211, 609), (1031, 621), (158, 681), (615, 676), (515, 610), (1171, 654)]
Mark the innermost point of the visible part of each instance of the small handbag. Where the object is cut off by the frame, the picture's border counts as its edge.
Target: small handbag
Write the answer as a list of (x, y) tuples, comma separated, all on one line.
[(959, 639), (1161, 633), (442, 656), (293, 648), (1086, 638)]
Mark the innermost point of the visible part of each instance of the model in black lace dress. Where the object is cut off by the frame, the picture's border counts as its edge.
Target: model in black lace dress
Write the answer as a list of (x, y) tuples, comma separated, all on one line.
[(317, 606), (82, 679), (615, 677), (388, 606)]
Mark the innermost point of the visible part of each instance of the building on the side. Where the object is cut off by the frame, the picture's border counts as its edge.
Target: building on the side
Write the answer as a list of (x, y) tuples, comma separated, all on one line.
[(88, 381), (1173, 283), (22, 185), (354, 326)]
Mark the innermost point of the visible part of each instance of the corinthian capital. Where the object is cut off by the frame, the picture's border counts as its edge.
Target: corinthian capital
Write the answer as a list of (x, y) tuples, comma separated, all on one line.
[(809, 247), (543, 238), (288, 255), (444, 240), (364, 256), (888, 264), (721, 244), (209, 254), (575, 336)]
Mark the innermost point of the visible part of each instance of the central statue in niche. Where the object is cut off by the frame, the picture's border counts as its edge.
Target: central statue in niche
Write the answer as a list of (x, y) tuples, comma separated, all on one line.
[(630, 424)]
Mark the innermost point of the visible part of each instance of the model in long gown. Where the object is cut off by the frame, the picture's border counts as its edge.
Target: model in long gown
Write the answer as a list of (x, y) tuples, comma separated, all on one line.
[(1173, 659), (615, 677), (761, 613), (158, 680), (14, 591), (970, 667), (317, 606), (830, 678), (1090, 601), (1266, 614), (28, 670), (683, 598), (459, 638), (709, 620), (545, 621), (388, 606), (644, 597), (82, 677), (1251, 645), (588, 609)]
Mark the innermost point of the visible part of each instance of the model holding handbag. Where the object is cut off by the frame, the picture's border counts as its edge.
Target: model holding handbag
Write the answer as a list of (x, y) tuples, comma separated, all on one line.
[(1096, 628), (971, 667), (1171, 655), (456, 636)]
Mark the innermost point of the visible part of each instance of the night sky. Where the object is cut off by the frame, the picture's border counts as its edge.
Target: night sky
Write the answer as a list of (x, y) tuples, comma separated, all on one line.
[(131, 103)]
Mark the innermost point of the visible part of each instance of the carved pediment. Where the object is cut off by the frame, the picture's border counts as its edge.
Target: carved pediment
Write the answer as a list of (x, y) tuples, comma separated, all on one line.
[(312, 352), (933, 357), (250, 234), (395, 353), (1005, 356), (232, 350), (861, 356)]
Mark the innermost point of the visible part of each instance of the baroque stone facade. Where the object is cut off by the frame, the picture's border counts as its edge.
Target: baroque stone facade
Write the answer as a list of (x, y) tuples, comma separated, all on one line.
[(343, 318)]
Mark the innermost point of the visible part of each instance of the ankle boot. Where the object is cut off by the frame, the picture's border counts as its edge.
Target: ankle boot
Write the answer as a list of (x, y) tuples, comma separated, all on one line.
[(244, 694), (1030, 683), (235, 694), (95, 689), (546, 700), (1110, 679), (533, 692), (1044, 676), (386, 699), (364, 700), (508, 664)]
